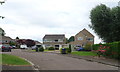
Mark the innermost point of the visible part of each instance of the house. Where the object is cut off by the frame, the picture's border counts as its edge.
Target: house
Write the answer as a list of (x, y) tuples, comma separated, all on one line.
[(5, 40), (82, 38), (54, 40)]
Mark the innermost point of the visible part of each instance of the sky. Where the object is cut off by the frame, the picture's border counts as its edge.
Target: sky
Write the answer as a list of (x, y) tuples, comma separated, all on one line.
[(32, 19)]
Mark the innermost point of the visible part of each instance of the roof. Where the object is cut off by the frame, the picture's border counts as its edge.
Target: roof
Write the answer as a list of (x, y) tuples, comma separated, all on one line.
[(6, 38), (84, 33), (54, 36)]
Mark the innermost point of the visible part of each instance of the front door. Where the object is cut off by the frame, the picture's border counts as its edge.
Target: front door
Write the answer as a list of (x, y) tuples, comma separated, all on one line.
[(56, 47)]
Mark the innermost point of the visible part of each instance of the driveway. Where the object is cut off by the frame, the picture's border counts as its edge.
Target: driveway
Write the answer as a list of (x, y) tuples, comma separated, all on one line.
[(52, 61)]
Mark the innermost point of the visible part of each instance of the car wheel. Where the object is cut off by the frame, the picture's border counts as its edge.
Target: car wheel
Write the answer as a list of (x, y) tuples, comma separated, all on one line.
[(9, 50)]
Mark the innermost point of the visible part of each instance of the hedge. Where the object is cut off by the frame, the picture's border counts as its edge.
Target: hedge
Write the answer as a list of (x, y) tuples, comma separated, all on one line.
[(112, 49), (51, 48)]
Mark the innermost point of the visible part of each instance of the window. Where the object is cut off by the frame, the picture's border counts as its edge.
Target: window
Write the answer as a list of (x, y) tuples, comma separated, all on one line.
[(60, 40), (56, 40), (90, 39), (80, 38)]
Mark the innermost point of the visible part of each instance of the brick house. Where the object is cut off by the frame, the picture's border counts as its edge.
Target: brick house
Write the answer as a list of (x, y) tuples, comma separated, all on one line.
[(54, 40), (82, 38), (5, 40)]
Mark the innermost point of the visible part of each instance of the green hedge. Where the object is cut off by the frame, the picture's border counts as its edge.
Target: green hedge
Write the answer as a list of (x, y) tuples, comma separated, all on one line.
[(41, 49), (112, 49), (51, 48)]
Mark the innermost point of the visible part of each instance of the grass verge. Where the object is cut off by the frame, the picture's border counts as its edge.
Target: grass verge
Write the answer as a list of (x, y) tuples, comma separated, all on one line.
[(13, 60), (84, 53)]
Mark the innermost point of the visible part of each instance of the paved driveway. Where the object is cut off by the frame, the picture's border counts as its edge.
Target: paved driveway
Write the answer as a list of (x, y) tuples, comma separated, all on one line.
[(51, 61)]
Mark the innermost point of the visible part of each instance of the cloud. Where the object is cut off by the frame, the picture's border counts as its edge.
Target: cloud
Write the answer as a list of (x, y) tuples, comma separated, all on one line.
[(35, 18)]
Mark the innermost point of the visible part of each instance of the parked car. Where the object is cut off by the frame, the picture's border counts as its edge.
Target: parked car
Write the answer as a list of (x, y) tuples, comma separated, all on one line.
[(6, 48), (23, 46), (13, 47), (34, 47), (79, 48)]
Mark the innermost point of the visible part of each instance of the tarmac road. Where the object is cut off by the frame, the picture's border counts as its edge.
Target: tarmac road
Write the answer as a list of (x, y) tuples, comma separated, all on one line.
[(52, 61)]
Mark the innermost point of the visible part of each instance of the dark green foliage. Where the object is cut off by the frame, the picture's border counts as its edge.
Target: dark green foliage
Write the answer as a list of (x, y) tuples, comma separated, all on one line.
[(70, 50), (17, 37), (112, 49), (71, 39), (12, 43), (106, 22), (115, 24), (3, 32), (51, 48), (41, 49), (87, 47)]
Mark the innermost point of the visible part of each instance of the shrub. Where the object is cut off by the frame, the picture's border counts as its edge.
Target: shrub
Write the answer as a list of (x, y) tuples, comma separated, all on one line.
[(70, 48), (67, 50), (41, 49), (112, 50), (51, 48), (87, 47)]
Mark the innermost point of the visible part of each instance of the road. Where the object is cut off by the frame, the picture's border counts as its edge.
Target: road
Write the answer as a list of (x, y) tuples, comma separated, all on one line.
[(52, 61)]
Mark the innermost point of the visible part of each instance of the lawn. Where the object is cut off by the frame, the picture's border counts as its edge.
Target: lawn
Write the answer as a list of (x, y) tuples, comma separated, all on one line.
[(44, 50), (84, 53), (13, 60)]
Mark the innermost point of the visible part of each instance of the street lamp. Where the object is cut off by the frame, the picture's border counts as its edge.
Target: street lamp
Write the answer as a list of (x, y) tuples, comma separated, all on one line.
[(2, 1)]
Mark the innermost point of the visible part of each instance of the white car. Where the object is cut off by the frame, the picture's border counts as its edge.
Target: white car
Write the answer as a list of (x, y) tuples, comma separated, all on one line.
[(23, 46), (34, 47)]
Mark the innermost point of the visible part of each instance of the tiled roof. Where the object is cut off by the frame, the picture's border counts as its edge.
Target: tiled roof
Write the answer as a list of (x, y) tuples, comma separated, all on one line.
[(54, 36)]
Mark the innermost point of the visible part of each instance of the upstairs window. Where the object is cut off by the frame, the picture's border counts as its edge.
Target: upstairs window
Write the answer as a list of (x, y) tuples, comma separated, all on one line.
[(80, 38), (90, 39), (56, 40)]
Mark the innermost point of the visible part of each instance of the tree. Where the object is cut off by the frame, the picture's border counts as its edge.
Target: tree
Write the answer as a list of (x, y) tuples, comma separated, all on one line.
[(115, 24), (20, 41), (11, 43), (106, 22), (101, 21), (66, 40), (17, 37), (71, 39), (29, 42), (2, 32)]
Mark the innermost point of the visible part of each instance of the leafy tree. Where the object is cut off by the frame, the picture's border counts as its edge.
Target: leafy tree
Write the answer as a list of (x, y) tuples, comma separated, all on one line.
[(71, 39), (29, 42), (115, 24), (17, 38), (3, 32), (21, 41), (66, 40), (101, 21), (12, 43)]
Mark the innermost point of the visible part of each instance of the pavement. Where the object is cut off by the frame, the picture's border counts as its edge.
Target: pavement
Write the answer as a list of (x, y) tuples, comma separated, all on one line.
[(101, 59), (55, 61)]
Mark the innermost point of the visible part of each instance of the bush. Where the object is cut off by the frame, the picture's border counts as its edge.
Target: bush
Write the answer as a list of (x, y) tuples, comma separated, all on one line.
[(112, 50), (41, 49), (51, 48), (87, 47), (67, 50)]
